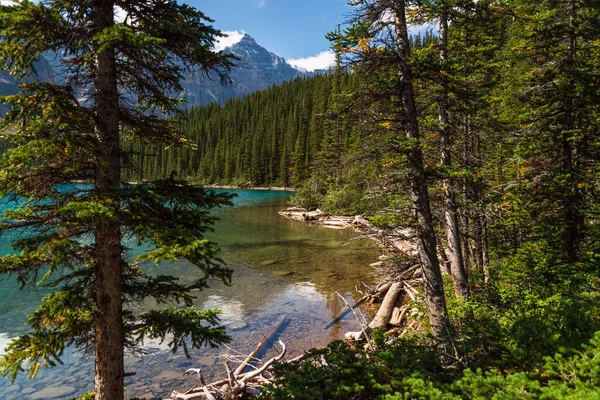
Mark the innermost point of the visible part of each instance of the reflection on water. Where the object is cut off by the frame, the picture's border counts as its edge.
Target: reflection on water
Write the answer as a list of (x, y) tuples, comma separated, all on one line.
[(280, 267)]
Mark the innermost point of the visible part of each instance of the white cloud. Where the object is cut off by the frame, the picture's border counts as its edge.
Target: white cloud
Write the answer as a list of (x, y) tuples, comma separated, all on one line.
[(323, 60), (259, 3), (7, 3), (232, 38)]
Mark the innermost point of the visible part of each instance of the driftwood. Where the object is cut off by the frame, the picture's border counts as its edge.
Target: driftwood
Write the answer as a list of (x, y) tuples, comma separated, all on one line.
[(319, 217), (396, 312), (411, 269), (260, 345), (385, 311), (411, 291), (379, 290), (231, 387), (237, 382), (396, 319), (363, 324)]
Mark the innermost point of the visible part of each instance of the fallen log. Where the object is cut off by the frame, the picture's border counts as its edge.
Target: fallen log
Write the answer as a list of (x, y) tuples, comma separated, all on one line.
[(409, 270), (359, 220), (395, 316), (412, 292), (383, 314), (381, 289), (260, 345), (297, 209), (396, 319), (336, 222)]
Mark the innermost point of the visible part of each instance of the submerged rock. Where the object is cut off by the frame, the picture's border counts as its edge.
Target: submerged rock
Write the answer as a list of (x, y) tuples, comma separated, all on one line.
[(54, 392), (282, 273), (266, 263), (238, 326)]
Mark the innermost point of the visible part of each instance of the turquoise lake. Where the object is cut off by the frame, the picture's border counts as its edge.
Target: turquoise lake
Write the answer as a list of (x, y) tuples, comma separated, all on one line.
[(281, 267)]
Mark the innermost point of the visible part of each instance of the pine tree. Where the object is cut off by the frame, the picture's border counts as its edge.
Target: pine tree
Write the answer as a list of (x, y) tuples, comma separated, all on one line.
[(379, 48), (126, 72)]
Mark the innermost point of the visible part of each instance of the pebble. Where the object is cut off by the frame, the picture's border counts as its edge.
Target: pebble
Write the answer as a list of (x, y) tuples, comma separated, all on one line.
[(282, 273), (168, 375), (11, 389), (54, 392), (207, 361), (147, 395), (238, 326), (266, 263), (28, 390)]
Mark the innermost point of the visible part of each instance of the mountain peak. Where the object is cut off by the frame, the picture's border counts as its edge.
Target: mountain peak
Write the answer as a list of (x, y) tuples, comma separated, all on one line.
[(246, 41), (247, 38)]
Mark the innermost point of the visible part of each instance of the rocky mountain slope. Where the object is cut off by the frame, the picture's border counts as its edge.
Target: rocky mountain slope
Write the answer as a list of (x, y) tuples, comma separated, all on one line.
[(256, 69)]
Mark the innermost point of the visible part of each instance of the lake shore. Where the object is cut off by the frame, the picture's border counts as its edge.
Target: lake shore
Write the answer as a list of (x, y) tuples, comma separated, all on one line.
[(233, 187), (392, 297)]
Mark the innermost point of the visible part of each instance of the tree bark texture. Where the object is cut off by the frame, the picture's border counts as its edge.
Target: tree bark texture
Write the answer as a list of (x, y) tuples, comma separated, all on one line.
[(109, 329), (457, 265), (434, 290)]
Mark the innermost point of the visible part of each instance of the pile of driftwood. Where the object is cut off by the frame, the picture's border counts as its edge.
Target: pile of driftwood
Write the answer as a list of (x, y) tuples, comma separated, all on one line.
[(238, 382), (400, 241), (392, 312), (322, 218)]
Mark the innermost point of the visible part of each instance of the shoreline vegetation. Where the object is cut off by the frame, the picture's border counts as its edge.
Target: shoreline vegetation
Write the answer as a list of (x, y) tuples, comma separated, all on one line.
[(243, 187), (231, 187)]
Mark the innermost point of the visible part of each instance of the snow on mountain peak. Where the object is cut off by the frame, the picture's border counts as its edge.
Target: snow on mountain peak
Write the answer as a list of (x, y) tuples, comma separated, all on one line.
[(233, 37)]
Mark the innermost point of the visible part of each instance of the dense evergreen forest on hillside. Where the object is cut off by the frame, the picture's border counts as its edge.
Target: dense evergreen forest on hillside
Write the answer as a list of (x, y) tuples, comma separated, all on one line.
[(270, 137)]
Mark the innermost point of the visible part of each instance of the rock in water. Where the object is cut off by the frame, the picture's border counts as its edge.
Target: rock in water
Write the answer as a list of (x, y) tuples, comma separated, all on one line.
[(54, 392), (238, 326), (282, 273), (266, 263)]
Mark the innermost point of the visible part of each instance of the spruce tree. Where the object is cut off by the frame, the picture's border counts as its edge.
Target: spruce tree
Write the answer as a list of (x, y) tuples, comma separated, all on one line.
[(118, 81), (377, 46)]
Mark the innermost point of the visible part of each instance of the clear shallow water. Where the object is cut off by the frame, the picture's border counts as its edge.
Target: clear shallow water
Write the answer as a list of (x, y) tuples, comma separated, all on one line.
[(280, 267)]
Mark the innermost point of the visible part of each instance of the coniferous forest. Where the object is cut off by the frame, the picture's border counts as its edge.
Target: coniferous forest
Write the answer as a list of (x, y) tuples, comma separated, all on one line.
[(482, 139)]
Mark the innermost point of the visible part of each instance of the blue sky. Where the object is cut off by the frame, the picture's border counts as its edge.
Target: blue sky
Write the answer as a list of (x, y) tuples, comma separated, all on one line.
[(289, 28), (293, 29)]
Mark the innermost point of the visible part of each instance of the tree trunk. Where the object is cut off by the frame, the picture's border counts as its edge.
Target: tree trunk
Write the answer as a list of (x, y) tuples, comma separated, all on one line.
[(457, 266), (466, 219), (434, 289), (573, 220), (485, 249), (387, 306), (109, 329)]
